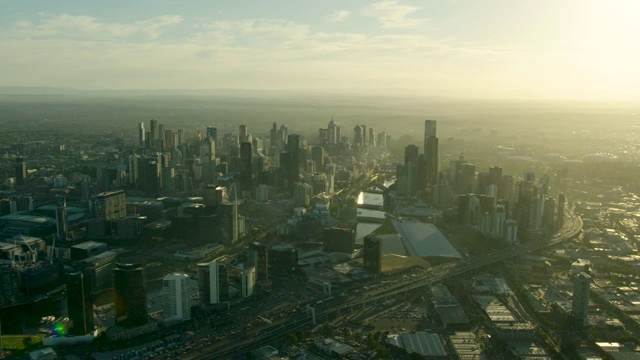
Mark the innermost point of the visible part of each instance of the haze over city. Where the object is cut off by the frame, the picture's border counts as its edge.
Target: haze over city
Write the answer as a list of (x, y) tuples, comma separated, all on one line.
[(311, 180)]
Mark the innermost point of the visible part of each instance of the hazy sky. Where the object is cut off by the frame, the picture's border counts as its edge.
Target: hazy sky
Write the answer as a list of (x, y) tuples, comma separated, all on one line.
[(577, 49)]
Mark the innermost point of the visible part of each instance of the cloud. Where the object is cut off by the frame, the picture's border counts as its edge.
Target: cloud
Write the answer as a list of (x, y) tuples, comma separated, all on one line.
[(82, 26), (392, 14), (339, 16)]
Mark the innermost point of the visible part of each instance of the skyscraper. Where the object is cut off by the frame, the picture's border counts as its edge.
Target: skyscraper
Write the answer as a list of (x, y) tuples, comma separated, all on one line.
[(580, 300), (176, 296), (21, 171), (130, 294), (246, 156), (248, 281), (294, 149), (111, 205), (213, 282), (257, 256), (431, 153), (372, 254), (141, 135), (79, 303)]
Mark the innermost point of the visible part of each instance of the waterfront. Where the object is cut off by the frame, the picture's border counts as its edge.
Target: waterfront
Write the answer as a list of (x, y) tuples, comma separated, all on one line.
[(368, 219)]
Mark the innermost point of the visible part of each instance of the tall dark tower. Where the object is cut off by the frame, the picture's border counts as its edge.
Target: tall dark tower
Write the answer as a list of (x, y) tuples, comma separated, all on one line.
[(153, 131), (245, 166), (212, 133), (62, 222), (79, 303), (372, 254), (130, 294), (561, 205), (411, 163), (294, 150), (431, 152), (21, 171)]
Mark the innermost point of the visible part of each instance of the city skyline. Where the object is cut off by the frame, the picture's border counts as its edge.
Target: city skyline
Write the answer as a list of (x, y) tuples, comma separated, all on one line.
[(493, 49)]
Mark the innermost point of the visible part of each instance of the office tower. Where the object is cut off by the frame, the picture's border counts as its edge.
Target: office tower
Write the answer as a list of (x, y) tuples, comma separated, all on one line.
[(411, 159), (153, 132), (548, 214), (495, 178), (283, 260), (273, 136), (168, 181), (151, 176), (141, 135), (372, 137), (212, 133), (161, 141), (130, 294), (180, 137), (258, 256), (176, 296), (317, 156), (246, 156), (561, 204), (228, 213), (79, 303), (243, 133), (167, 140), (431, 152), (293, 146), (455, 169), (499, 216), (213, 282), (248, 281), (331, 133), (357, 135), (282, 133), (382, 139), (580, 299), (339, 240), (111, 205), (21, 171), (510, 231), (530, 176), (372, 254), (405, 180), (62, 223)]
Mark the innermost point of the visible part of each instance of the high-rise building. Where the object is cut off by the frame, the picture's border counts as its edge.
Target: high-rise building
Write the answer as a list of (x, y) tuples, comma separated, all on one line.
[(580, 299), (248, 281), (561, 204), (212, 133), (141, 135), (357, 135), (283, 260), (317, 156), (111, 205), (294, 149), (243, 133), (130, 294), (431, 152), (510, 231), (62, 223), (213, 282), (153, 131), (176, 296), (339, 240), (331, 133), (79, 303), (246, 156), (21, 171), (372, 254), (258, 256)]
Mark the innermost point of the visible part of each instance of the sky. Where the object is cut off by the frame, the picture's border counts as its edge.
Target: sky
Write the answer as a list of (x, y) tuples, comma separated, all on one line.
[(500, 49)]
